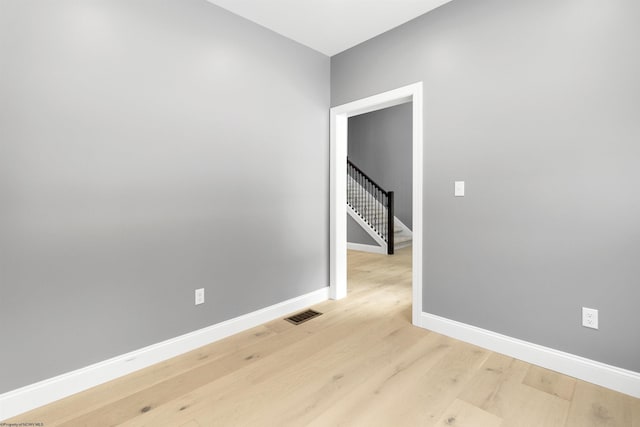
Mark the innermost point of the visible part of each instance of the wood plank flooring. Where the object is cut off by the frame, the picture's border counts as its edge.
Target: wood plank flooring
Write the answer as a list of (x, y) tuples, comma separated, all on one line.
[(361, 363)]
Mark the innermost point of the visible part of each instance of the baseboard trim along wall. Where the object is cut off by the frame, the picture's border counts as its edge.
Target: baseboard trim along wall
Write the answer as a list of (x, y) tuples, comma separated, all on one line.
[(366, 248), (26, 398), (608, 376)]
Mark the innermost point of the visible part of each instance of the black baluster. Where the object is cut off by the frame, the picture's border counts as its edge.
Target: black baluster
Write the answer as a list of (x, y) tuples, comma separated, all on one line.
[(390, 229), (376, 208), (370, 210)]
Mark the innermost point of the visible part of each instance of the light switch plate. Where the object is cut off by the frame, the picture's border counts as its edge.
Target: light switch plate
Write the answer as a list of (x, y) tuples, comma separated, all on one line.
[(459, 189)]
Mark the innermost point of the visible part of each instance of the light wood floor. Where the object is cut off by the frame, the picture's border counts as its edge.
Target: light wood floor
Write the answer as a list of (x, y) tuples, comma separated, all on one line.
[(359, 364)]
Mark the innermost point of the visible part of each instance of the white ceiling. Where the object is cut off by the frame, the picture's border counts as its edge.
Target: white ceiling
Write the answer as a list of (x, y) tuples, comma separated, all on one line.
[(329, 26)]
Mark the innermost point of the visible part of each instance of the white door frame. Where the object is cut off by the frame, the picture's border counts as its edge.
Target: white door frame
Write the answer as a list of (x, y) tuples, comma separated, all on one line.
[(338, 198)]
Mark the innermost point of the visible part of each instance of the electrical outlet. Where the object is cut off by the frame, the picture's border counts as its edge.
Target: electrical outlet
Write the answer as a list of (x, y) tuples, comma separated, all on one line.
[(590, 318), (199, 296)]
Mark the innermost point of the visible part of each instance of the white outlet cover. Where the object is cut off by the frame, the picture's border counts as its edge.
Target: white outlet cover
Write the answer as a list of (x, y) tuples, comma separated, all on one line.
[(199, 296), (458, 188), (590, 318)]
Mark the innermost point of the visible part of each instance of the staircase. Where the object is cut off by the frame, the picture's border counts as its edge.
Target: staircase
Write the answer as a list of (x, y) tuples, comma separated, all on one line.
[(372, 208)]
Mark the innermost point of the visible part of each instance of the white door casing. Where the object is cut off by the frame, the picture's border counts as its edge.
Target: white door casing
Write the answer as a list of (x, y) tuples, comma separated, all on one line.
[(339, 117)]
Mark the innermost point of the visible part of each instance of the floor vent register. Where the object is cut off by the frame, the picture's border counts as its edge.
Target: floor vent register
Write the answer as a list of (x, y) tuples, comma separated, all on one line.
[(302, 317)]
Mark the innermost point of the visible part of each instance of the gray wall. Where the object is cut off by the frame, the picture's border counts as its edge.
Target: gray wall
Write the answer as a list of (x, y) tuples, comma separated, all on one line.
[(357, 234), (535, 105), (145, 151), (380, 143)]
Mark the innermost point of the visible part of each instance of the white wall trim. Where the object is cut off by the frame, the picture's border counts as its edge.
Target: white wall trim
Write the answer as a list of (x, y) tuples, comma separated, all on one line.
[(418, 207), (339, 122), (366, 248), (608, 376), (337, 205), (26, 398)]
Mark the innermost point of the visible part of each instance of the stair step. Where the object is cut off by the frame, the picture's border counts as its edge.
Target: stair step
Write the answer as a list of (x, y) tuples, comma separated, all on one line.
[(402, 239)]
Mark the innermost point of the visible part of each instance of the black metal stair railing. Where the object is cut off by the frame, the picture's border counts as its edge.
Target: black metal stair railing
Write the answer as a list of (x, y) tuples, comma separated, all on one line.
[(372, 203)]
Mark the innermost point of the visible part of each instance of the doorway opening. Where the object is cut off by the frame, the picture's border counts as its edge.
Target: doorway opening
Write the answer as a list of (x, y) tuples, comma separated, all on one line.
[(339, 117)]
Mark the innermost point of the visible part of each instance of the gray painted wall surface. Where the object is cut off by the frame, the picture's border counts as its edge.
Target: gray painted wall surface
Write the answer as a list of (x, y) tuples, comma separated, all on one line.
[(145, 152), (535, 105), (380, 143), (356, 234)]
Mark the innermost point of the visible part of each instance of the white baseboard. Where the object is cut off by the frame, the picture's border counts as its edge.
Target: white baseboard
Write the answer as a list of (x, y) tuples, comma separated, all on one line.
[(26, 398), (366, 248), (608, 376)]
